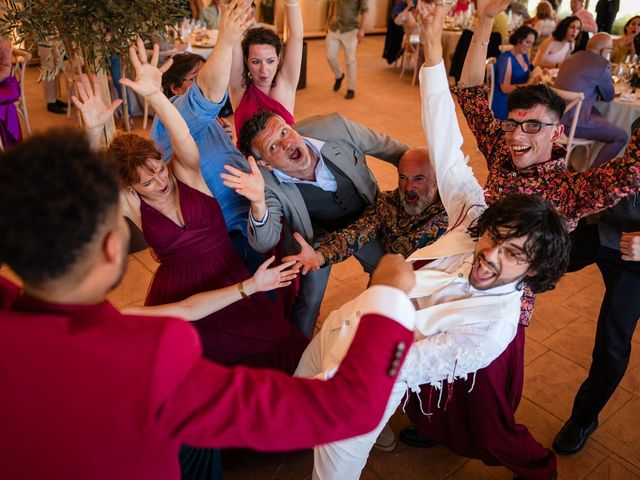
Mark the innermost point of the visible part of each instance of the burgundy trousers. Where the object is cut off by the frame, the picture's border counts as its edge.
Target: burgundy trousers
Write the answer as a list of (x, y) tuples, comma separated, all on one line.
[(475, 419)]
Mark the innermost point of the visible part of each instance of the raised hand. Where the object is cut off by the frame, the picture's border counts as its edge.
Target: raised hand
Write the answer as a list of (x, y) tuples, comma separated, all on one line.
[(308, 257), (432, 17), (266, 278), (235, 18), (393, 271), (491, 8), (249, 185), (148, 76), (95, 113)]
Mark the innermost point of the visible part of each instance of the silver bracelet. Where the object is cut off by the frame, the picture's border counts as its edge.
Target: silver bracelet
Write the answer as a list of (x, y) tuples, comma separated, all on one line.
[(291, 5), (484, 44)]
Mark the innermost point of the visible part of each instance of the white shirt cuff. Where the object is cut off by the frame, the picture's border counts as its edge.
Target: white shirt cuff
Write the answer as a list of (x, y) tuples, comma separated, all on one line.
[(390, 302), (260, 223), (434, 79)]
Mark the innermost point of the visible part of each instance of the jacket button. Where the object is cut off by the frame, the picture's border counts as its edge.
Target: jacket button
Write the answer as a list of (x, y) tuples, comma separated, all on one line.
[(347, 322), (401, 346), (358, 313), (392, 372)]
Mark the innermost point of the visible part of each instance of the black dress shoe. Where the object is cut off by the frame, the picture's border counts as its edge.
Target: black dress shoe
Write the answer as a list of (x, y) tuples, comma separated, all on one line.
[(350, 94), (62, 104), (410, 436), (572, 437), (338, 83), (55, 108)]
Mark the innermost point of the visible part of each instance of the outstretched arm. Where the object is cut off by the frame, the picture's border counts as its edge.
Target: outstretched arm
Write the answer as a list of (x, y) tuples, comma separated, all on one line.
[(290, 70), (148, 83), (213, 77), (202, 304)]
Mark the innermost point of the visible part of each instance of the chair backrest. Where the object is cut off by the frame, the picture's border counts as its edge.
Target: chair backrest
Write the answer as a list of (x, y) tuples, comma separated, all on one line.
[(22, 61), (490, 76), (573, 100)]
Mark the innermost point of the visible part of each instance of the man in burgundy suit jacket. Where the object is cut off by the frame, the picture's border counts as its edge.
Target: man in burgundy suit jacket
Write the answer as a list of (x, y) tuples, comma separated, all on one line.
[(87, 392)]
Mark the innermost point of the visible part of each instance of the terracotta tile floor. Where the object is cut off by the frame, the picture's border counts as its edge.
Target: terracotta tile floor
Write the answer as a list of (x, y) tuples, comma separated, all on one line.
[(559, 340)]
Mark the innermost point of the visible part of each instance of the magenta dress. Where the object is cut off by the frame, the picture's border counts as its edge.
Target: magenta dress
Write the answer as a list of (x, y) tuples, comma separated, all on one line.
[(9, 123), (252, 102), (200, 257)]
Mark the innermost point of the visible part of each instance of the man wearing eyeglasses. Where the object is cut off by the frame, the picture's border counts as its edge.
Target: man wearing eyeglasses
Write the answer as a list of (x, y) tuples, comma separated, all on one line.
[(479, 421), (589, 72)]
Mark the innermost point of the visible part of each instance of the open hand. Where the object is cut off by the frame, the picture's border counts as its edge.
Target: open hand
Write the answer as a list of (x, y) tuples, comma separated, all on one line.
[(432, 17), (630, 246), (249, 185), (308, 257), (148, 76), (95, 113), (266, 279)]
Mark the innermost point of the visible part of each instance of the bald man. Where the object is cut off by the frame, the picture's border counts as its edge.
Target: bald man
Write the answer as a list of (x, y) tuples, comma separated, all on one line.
[(402, 220), (589, 72)]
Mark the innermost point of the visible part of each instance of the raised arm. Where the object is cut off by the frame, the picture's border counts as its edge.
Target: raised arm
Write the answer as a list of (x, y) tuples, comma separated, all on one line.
[(473, 69), (460, 192), (292, 61), (148, 83), (213, 77)]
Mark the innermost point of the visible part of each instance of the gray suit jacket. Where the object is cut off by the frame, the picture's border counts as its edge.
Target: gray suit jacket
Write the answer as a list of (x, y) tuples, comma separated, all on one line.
[(346, 145)]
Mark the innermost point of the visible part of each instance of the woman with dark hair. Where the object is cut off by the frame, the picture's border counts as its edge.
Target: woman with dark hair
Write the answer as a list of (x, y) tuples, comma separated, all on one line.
[(264, 75), (512, 69), (559, 45), (629, 43)]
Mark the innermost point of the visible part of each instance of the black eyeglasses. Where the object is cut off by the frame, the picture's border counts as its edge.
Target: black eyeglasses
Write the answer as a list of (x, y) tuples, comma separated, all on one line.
[(528, 126)]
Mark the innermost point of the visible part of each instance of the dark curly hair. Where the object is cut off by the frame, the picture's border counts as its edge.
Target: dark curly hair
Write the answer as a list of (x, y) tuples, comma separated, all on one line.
[(182, 64), (55, 193), (547, 246), (258, 36), (522, 33), (529, 96), (561, 29), (250, 129)]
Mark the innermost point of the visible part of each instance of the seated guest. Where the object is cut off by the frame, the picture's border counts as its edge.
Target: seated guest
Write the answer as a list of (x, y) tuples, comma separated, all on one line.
[(409, 19), (589, 72), (403, 220), (393, 38), (264, 74), (312, 179), (512, 69), (559, 46), (628, 44), (111, 395), (210, 14), (463, 9), (10, 132), (543, 22)]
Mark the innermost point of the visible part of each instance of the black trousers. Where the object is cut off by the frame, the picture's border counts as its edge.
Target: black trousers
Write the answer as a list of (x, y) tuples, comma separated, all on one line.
[(606, 11), (619, 313)]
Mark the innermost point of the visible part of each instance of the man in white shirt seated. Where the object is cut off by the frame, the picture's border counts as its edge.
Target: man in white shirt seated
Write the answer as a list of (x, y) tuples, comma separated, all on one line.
[(468, 296)]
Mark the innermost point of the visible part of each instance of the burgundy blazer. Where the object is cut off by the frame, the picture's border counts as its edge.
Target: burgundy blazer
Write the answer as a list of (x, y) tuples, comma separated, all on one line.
[(86, 392)]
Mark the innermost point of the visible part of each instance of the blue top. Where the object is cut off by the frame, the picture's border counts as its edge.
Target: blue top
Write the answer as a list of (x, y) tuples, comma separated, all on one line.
[(519, 76), (215, 147)]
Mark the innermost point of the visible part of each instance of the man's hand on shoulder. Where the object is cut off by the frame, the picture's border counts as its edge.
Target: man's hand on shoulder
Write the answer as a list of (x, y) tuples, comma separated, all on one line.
[(394, 271)]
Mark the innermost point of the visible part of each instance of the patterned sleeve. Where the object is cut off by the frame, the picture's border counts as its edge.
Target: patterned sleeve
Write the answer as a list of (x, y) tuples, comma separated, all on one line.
[(474, 104), (603, 187), (341, 244)]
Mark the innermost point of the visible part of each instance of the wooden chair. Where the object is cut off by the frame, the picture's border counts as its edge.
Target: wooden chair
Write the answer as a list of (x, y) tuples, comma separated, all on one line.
[(410, 54), (574, 101)]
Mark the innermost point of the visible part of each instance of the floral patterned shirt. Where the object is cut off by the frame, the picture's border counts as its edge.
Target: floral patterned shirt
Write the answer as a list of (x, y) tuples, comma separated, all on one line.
[(398, 231), (574, 195)]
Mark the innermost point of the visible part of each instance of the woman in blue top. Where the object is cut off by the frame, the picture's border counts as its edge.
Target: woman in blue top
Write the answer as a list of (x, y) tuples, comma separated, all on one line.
[(512, 69)]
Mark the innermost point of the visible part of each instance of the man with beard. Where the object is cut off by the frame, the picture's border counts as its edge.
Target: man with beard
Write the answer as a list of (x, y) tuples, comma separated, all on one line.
[(89, 392), (403, 220), (310, 178)]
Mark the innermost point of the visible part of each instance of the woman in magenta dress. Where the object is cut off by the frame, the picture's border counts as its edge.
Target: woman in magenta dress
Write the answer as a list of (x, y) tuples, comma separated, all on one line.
[(183, 224), (10, 133), (262, 76)]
